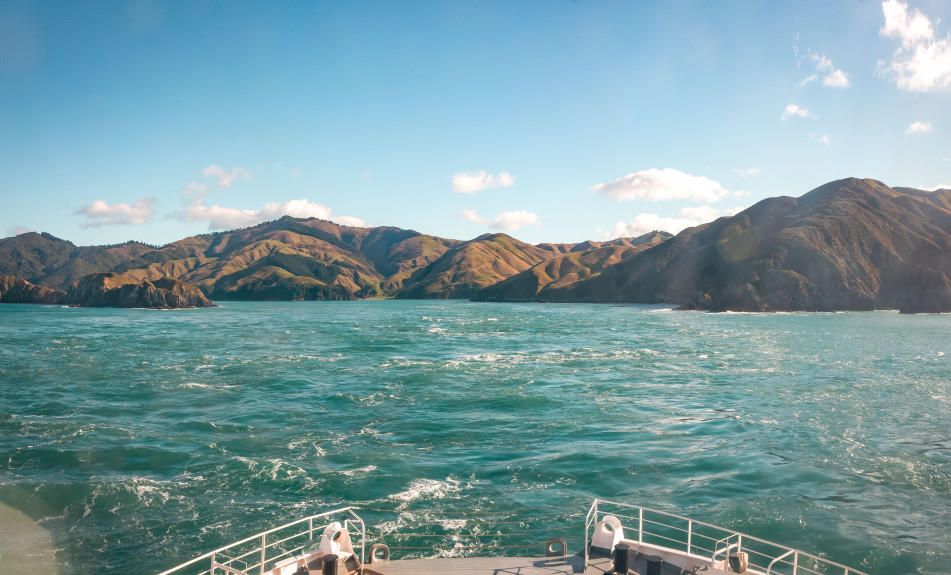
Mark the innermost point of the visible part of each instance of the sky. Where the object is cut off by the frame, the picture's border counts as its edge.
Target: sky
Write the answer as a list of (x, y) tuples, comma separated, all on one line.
[(552, 121)]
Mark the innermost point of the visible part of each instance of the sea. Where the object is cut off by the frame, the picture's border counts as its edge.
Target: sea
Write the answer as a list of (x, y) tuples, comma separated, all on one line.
[(132, 440)]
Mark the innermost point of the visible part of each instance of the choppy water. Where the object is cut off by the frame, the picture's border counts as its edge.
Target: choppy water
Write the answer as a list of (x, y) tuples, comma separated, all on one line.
[(137, 439)]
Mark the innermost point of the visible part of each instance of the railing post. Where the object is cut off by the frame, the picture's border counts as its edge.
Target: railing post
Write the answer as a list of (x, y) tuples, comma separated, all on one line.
[(640, 524), (310, 529), (263, 551), (212, 570), (689, 535), (795, 563), (739, 543)]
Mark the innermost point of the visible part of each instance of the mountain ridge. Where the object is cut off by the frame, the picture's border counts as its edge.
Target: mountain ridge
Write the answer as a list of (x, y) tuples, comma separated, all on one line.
[(851, 244)]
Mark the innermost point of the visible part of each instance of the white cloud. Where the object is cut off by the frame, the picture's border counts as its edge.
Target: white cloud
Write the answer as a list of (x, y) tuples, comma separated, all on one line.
[(923, 62), (836, 79), (658, 185), (745, 173), (472, 182), (703, 213), (936, 188), (688, 217), (221, 218), (100, 213), (296, 174), (918, 128), (302, 208), (218, 217), (831, 76), (808, 80), (16, 230), (511, 221), (733, 211), (793, 110), (472, 216), (352, 221), (225, 179)]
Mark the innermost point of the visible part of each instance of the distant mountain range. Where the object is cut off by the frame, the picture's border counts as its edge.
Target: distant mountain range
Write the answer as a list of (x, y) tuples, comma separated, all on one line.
[(852, 244), (294, 259)]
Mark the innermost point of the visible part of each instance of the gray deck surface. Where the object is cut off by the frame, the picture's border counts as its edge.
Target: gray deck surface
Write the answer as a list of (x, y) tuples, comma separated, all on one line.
[(571, 565), (493, 566)]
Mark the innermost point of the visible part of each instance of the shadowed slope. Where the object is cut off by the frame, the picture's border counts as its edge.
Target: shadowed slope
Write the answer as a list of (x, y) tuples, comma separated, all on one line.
[(848, 245)]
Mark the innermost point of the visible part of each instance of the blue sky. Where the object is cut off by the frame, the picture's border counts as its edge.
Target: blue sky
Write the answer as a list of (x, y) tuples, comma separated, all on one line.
[(552, 121)]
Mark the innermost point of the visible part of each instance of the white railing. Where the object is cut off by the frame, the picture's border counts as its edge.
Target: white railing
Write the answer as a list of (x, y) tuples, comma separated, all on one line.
[(258, 553), (704, 541)]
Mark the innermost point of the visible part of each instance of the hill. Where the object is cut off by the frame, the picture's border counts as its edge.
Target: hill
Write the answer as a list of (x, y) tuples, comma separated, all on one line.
[(582, 262), (286, 259), (851, 244), (472, 265)]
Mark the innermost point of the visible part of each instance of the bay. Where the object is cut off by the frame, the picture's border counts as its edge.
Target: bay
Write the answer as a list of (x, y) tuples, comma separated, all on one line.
[(136, 439)]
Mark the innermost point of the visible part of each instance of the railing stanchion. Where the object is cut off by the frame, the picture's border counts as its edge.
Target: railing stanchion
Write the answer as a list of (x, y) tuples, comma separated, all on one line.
[(689, 535), (263, 551), (640, 524), (795, 563)]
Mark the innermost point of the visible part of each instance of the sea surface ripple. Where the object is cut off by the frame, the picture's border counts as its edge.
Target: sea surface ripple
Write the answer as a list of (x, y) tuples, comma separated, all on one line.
[(137, 439)]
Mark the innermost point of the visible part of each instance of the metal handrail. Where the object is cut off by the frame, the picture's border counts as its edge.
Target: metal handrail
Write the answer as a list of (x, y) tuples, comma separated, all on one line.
[(692, 524), (660, 529), (780, 558), (262, 536)]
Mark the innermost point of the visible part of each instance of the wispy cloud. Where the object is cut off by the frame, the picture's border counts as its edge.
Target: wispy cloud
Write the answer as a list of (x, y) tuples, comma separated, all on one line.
[(511, 221), (472, 182), (687, 218), (918, 128), (831, 76), (224, 177), (745, 173), (100, 213), (794, 111), (659, 185), (936, 188), (16, 230), (922, 63), (221, 217), (474, 217), (506, 221), (823, 139)]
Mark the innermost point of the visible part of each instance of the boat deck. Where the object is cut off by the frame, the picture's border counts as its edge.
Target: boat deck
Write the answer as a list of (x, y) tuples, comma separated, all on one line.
[(571, 565)]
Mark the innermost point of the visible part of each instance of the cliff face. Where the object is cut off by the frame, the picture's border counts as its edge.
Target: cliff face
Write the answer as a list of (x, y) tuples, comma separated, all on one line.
[(16, 290), (848, 245), (116, 290)]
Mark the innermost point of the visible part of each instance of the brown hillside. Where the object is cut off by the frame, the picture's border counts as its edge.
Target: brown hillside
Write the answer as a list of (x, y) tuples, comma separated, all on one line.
[(564, 270), (472, 265)]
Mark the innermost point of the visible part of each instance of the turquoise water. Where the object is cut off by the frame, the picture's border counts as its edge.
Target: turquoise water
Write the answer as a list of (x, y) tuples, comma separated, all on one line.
[(137, 439)]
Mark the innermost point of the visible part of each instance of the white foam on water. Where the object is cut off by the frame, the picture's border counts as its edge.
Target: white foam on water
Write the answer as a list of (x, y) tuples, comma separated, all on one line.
[(360, 471), (427, 489)]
